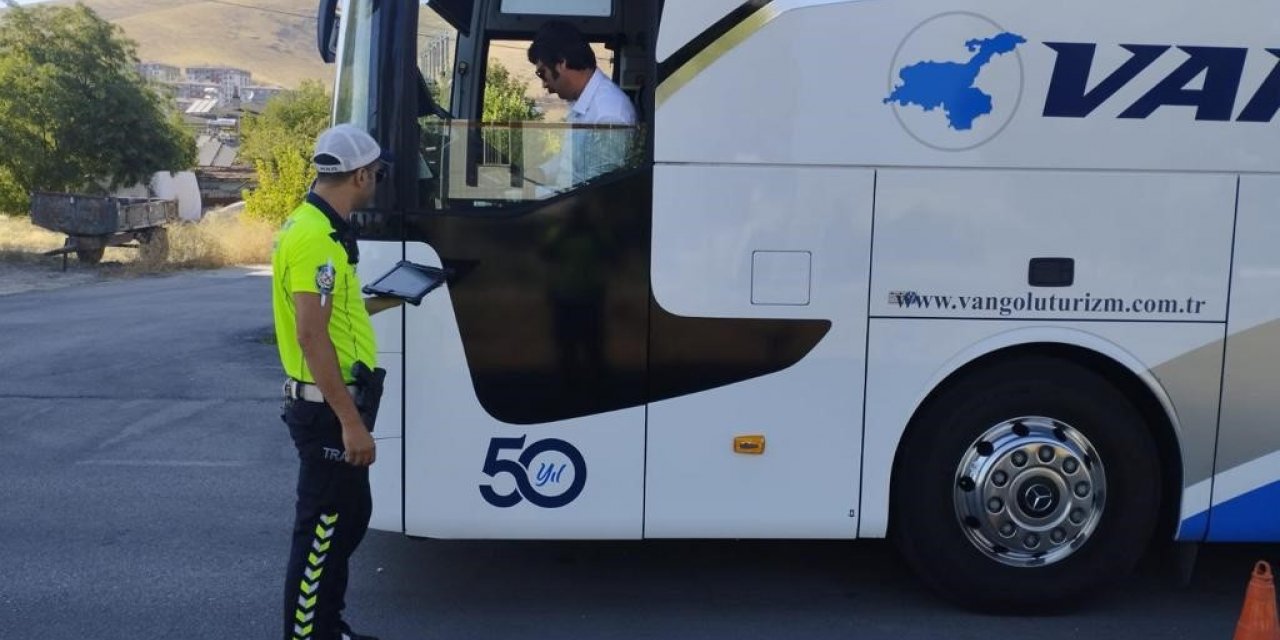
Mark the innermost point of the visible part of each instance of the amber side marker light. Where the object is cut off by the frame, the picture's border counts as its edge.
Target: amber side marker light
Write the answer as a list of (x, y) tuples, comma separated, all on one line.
[(750, 445)]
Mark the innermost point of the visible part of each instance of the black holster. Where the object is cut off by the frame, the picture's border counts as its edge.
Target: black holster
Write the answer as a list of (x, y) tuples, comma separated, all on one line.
[(369, 383)]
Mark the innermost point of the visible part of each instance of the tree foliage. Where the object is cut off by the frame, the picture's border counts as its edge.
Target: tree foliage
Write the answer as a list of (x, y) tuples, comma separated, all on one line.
[(292, 119), (282, 183), (505, 99), (278, 142), (75, 115), (505, 102)]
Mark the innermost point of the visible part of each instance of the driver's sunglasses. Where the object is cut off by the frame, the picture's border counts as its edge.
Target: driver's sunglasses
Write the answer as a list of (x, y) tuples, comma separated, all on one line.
[(379, 174)]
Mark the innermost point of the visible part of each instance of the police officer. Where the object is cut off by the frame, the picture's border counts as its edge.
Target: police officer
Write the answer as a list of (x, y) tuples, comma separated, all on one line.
[(326, 340)]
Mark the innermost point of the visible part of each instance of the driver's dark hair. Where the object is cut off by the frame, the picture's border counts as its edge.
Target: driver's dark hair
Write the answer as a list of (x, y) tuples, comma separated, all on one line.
[(558, 40)]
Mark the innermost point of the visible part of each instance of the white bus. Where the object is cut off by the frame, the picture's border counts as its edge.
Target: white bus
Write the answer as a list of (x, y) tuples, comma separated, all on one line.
[(996, 279)]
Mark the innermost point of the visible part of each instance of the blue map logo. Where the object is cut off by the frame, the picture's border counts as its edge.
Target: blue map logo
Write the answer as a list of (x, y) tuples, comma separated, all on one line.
[(950, 85), (954, 91)]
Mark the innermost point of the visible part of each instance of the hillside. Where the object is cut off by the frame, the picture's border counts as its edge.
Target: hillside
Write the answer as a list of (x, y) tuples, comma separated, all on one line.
[(275, 41)]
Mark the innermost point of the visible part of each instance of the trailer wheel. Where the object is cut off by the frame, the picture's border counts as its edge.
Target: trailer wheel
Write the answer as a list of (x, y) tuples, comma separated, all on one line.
[(155, 246), (90, 256), (1026, 486)]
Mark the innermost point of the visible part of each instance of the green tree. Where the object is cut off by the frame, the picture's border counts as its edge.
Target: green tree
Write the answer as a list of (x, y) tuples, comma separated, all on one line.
[(505, 99), (505, 102), (74, 113), (278, 143), (282, 182)]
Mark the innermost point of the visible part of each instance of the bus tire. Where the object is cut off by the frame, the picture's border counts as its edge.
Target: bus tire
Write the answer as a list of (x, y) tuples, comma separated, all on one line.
[(1025, 486)]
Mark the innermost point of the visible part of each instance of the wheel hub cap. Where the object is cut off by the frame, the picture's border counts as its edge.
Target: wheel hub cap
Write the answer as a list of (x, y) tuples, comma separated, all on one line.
[(1030, 491)]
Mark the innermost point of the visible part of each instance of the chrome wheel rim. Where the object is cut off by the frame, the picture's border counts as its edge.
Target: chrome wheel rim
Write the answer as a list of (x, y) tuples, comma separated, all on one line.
[(1030, 492)]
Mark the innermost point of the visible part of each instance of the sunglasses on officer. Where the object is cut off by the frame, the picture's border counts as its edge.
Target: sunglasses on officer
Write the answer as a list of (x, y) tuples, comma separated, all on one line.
[(379, 172)]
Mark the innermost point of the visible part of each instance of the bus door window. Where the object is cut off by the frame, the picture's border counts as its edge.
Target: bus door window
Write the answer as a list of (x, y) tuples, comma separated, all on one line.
[(521, 146), (490, 135), (531, 149)]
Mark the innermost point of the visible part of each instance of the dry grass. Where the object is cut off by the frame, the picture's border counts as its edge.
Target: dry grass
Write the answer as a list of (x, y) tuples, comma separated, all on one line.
[(215, 242), (21, 241), (219, 241)]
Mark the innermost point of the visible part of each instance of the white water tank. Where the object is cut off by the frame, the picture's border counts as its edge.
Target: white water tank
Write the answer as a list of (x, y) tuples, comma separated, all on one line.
[(181, 186)]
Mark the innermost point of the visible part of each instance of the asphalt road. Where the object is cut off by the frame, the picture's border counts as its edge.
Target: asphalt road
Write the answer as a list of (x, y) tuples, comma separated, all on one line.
[(145, 492)]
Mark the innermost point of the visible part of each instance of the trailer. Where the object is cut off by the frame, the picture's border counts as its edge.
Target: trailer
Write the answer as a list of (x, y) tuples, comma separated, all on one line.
[(93, 223)]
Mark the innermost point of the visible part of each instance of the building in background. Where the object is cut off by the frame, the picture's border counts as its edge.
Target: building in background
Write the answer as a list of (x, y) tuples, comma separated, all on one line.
[(213, 100), (436, 55), (160, 73), (229, 80), (195, 90)]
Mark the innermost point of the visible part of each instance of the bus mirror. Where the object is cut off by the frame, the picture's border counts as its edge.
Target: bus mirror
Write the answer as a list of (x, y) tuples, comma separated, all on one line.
[(327, 30)]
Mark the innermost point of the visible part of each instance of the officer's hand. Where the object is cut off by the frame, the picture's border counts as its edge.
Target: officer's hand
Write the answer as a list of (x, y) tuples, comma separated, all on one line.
[(359, 445), (378, 304)]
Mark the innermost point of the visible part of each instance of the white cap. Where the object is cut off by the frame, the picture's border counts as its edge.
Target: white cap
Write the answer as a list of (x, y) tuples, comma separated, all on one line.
[(345, 148)]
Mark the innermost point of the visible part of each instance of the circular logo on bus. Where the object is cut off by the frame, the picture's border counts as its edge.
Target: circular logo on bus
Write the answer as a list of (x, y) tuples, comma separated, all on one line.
[(957, 81)]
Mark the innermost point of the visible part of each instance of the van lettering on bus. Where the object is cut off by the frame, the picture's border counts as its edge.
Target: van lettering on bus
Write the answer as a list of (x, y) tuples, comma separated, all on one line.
[(1221, 67)]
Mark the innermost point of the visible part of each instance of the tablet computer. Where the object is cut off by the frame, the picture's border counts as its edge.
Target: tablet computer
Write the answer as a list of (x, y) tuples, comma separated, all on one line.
[(408, 281)]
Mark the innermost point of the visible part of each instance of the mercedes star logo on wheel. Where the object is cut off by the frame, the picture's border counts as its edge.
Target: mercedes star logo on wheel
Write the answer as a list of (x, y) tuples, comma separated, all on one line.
[(1038, 498)]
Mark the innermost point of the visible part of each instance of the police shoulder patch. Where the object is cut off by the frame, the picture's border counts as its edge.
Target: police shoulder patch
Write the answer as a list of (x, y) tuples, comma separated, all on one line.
[(326, 276)]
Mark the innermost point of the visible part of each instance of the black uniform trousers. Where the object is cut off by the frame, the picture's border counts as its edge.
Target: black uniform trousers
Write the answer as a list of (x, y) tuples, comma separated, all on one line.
[(333, 509)]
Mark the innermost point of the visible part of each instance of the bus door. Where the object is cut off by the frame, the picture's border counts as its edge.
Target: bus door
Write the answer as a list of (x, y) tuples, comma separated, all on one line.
[(524, 377)]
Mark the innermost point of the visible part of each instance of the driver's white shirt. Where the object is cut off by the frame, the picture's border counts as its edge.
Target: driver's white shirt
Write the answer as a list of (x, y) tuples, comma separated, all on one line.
[(595, 149), (602, 102)]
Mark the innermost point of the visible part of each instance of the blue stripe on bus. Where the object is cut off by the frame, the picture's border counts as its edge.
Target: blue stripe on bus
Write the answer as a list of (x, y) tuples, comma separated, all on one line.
[(1195, 528), (1252, 517)]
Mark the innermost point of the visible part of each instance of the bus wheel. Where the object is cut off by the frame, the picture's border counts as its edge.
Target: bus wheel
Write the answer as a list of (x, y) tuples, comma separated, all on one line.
[(1026, 486)]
